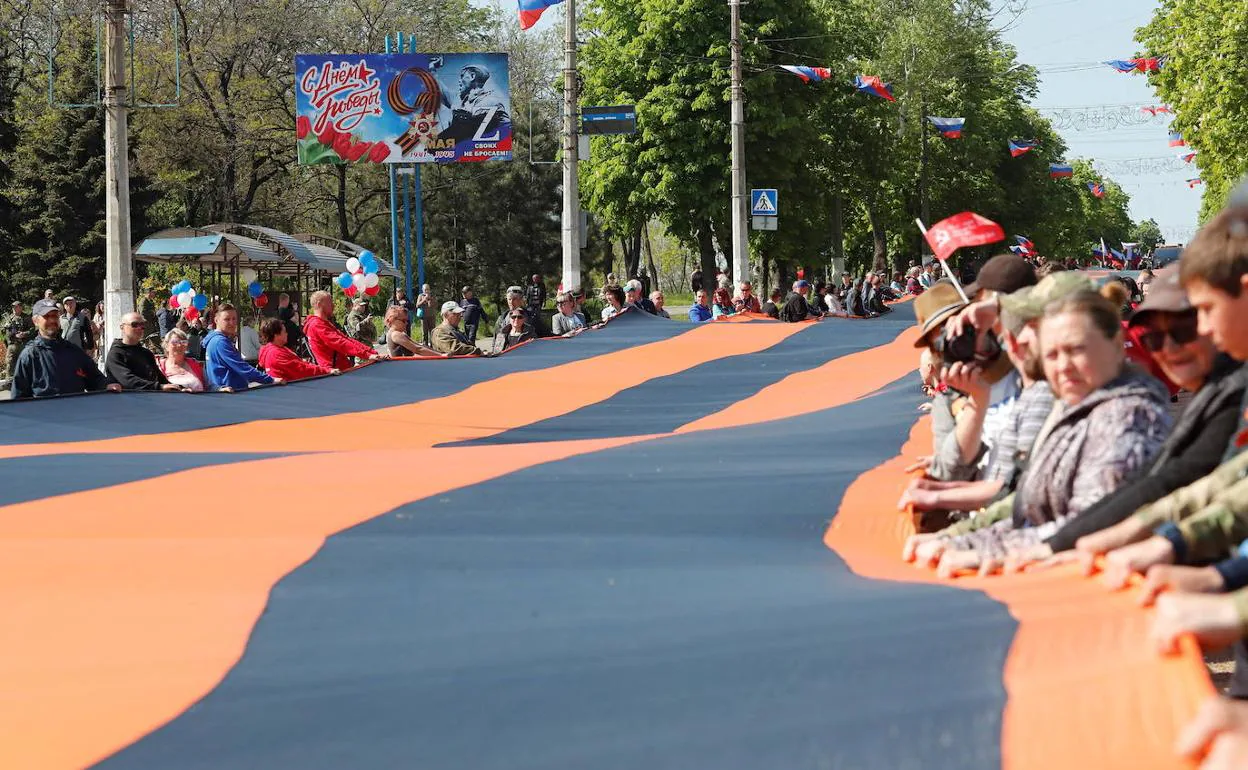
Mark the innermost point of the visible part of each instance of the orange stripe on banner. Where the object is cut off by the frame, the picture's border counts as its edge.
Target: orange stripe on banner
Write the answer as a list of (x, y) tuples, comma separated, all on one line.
[(839, 381), (487, 408), (1086, 688), (118, 615)]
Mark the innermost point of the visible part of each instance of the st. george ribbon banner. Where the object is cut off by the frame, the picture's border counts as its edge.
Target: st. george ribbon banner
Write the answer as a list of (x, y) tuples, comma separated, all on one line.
[(403, 108)]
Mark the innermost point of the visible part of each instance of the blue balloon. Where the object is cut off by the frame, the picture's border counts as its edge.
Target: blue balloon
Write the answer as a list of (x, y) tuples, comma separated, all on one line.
[(184, 286), (344, 280), (200, 301), (254, 289), (366, 255)]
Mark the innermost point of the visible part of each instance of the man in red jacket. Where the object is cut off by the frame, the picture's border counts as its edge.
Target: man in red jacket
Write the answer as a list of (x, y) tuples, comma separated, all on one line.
[(330, 347)]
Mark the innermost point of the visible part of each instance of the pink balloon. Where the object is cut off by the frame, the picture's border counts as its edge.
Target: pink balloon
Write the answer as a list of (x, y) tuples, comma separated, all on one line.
[(173, 302)]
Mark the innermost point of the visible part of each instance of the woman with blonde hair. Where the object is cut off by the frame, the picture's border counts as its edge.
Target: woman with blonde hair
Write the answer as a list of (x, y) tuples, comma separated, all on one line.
[(177, 367)]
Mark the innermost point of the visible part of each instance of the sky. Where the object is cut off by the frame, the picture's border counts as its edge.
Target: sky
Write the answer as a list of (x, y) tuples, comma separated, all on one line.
[(1067, 41)]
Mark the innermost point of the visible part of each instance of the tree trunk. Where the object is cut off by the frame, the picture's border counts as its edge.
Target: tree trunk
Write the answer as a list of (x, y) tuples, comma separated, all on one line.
[(706, 253), (340, 203), (654, 271), (879, 259), (766, 274), (838, 240)]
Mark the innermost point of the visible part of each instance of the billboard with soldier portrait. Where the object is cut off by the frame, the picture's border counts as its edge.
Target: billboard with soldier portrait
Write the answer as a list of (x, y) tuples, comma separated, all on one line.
[(402, 108)]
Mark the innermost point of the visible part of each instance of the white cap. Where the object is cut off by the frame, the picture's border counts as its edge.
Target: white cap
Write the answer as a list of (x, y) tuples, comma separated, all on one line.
[(451, 307)]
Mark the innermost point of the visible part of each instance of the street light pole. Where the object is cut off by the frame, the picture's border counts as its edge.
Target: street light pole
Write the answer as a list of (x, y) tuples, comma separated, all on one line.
[(571, 190), (740, 231), (118, 263)]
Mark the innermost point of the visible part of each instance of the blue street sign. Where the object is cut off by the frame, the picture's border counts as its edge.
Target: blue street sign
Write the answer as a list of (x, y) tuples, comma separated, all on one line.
[(764, 203)]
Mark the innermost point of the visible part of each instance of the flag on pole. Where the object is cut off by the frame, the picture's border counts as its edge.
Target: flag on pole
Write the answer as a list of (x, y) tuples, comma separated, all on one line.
[(1155, 111), (1187, 156), (1025, 246), (1098, 189), (1060, 170), (871, 84), (959, 230), (1176, 139), (808, 74), (1192, 183), (1022, 146), (1126, 66), (532, 10), (950, 128)]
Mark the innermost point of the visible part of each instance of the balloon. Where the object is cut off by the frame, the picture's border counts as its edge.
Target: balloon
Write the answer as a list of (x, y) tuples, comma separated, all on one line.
[(367, 255), (349, 291), (181, 286), (262, 300), (255, 289), (192, 292), (353, 265), (344, 280), (199, 302), (371, 291), (358, 280), (184, 299), (191, 314), (371, 280), (173, 302), (368, 262)]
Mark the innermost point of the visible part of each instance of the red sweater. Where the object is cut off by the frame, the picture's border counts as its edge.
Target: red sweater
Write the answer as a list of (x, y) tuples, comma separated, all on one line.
[(330, 347), (281, 361)]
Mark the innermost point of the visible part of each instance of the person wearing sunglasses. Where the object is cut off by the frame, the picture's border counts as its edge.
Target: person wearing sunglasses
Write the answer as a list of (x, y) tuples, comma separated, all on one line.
[(1166, 325), (517, 331), (132, 365)]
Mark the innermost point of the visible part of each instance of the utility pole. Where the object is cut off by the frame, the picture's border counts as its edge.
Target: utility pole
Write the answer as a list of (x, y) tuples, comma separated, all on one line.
[(740, 233), (118, 262), (924, 208), (571, 190)]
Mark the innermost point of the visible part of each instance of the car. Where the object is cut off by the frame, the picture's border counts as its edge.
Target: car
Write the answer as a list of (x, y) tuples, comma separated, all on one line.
[(1165, 255)]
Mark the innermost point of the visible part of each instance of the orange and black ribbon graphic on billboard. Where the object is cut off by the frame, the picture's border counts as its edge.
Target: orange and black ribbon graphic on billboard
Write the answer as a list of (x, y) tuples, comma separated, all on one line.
[(424, 105)]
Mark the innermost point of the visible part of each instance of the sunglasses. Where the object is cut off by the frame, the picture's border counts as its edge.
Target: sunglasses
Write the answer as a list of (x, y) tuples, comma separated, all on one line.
[(136, 325), (514, 317), (1183, 331)]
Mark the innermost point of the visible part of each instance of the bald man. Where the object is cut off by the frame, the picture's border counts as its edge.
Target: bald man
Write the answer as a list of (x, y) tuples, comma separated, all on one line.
[(131, 365)]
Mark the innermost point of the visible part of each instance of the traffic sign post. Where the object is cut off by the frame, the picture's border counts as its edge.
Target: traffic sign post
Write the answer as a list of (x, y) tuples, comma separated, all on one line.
[(766, 223)]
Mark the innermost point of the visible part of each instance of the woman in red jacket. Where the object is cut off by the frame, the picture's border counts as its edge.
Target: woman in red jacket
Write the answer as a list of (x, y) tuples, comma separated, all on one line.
[(279, 360)]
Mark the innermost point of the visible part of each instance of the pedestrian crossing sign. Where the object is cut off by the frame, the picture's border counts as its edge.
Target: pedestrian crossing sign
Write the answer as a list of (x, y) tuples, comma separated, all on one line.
[(764, 203)]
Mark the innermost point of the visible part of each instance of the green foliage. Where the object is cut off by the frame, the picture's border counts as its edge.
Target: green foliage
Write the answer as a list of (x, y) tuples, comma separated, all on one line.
[(1203, 82), (1147, 234)]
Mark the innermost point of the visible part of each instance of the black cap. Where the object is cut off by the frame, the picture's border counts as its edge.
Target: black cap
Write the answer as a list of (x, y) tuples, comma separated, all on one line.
[(1004, 273)]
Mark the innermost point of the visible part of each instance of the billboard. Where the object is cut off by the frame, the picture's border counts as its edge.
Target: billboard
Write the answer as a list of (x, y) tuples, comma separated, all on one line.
[(402, 108)]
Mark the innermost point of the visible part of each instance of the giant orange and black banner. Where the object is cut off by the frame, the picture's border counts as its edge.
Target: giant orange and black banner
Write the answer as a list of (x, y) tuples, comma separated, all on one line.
[(611, 551)]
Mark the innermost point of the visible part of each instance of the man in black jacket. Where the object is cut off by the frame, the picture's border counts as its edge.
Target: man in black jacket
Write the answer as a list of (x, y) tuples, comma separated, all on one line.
[(796, 306), (78, 327), (50, 366), (131, 365)]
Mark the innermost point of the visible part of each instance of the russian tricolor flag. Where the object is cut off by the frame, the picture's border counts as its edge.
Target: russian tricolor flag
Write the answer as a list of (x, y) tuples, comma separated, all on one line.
[(1122, 65), (1191, 183), (808, 74), (950, 128), (1187, 156), (1060, 170), (532, 10), (1021, 147), (1176, 139), (1097, 189), (871, 84), (1025, 244)]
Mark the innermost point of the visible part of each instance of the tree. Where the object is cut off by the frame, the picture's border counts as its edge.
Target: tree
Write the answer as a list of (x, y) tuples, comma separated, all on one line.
[(1147, 233)]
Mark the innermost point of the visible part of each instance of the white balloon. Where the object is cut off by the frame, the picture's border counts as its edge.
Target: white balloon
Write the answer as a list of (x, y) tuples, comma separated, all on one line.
[(358, 281), (184, 299), (371, 280), (353, 265), (192, 292)]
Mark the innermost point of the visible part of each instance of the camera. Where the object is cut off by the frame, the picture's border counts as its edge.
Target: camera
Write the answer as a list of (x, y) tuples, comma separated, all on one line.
[(961, 349)]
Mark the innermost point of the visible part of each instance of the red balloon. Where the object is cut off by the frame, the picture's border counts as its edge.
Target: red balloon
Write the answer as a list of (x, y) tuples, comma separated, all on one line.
[(349, 291), (191, 314), (371, 291), (173, 302), (262, 300)]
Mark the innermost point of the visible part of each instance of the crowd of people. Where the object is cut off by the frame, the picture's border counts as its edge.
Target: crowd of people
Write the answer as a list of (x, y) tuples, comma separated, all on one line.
[(1103, 425)]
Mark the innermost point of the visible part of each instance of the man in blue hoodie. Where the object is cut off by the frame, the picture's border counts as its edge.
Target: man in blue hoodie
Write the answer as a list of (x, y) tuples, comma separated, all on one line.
[(224, 365), (50, 366)]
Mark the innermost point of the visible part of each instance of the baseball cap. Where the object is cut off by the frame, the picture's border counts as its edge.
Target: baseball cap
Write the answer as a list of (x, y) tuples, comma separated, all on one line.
[(633, 285), (1004, 273), (451, 307), (514, 290), (1166, 295), (16, 303), (360, 301), (69, 299), (45, 306), (1029, 303), (802, 284), (465, 290), (934, 306)]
